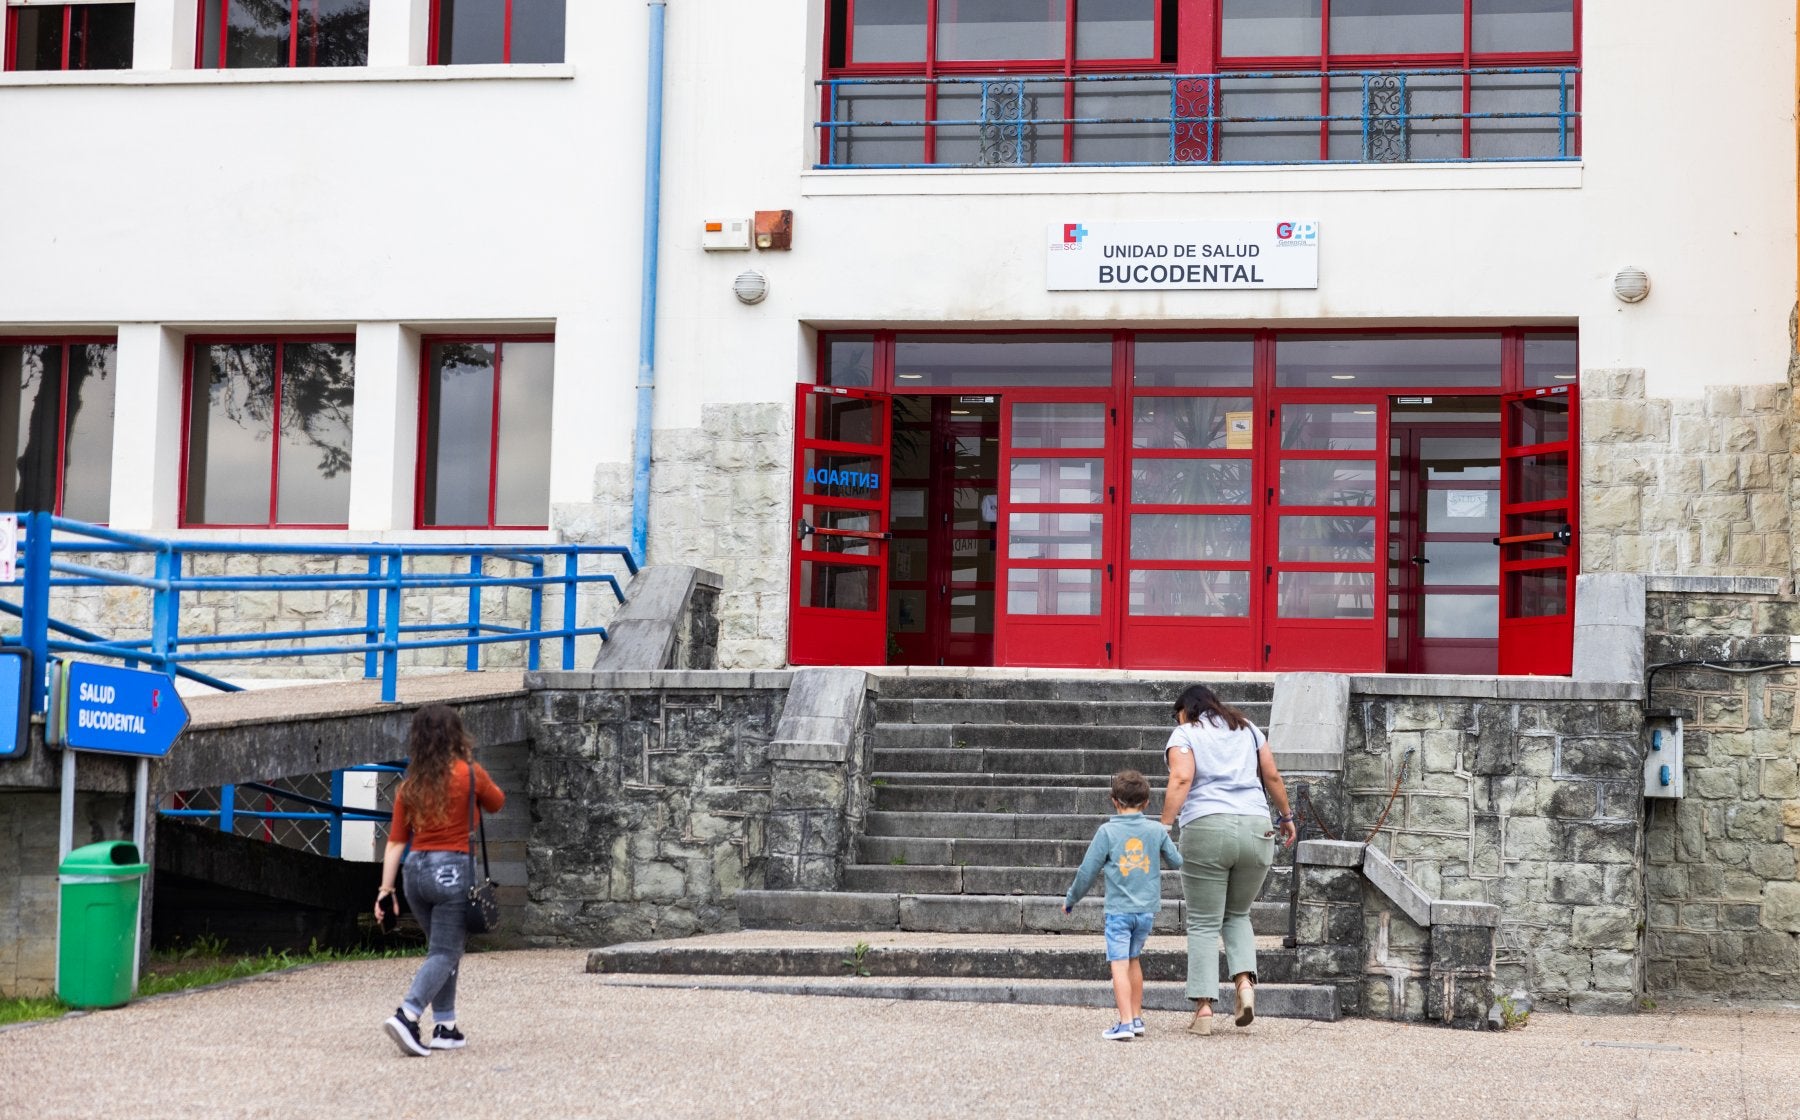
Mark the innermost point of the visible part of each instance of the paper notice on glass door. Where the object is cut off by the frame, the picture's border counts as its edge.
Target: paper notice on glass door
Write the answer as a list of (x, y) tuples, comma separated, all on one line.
[(1466, 503), (1237, 431)]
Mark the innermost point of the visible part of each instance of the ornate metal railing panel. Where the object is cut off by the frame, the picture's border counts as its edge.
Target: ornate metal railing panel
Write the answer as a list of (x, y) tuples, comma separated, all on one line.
[(1482, 115)]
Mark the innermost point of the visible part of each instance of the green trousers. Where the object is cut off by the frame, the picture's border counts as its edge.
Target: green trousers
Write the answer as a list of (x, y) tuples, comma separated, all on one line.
[(1224, 862)]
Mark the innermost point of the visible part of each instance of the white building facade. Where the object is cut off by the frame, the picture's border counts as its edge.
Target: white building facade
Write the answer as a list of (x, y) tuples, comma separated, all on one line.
[(370, 269)]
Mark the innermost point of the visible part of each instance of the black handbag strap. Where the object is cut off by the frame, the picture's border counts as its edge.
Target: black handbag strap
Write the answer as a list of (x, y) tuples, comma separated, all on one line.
[(478, 823)]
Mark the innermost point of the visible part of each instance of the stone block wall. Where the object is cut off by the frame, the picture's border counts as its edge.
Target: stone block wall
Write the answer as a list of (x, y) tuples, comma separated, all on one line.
[(1527, 798), (28, 889), (1723, 893), (656, 797), (1695, 485)]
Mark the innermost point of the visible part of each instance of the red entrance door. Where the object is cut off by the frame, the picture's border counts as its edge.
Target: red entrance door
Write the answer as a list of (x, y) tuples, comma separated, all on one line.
[(838, 604), (1325, 533), (1538, 429), (1058, 501)]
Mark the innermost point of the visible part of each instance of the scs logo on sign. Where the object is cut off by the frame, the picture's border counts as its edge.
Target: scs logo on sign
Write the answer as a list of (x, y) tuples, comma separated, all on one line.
[(1297, 233)]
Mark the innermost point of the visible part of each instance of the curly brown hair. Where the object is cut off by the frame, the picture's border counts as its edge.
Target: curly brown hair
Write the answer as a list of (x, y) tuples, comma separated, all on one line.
[(435, 743)]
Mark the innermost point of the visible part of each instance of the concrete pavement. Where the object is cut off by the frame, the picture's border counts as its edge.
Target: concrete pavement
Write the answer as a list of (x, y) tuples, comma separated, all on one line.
[(547, 1040)]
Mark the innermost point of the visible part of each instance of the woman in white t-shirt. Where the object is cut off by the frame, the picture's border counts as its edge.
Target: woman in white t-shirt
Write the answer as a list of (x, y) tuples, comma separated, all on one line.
[(1222, 777)]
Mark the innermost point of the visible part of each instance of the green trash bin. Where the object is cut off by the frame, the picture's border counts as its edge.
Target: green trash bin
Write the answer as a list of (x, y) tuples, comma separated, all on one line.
[(97, 935)]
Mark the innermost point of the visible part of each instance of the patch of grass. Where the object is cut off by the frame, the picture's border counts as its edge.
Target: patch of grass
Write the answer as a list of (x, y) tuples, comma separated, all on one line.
[(26, 1010), (899, 860), (1512, 1017)]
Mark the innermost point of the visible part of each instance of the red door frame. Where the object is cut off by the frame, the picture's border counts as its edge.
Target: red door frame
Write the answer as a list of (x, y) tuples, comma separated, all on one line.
[(1540, 645), (823, 635), (1415, 652), (1071, 641)]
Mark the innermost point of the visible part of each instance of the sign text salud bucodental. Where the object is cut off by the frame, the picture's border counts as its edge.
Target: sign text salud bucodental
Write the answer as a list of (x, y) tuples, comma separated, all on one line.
[(1198, 255), (121, 711)]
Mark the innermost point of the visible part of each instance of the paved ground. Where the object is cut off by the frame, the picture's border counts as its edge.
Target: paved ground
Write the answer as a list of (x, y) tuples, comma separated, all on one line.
[(547, 1042)]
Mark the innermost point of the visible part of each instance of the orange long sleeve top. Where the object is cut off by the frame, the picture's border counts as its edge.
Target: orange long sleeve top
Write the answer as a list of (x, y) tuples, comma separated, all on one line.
[(452, 833)]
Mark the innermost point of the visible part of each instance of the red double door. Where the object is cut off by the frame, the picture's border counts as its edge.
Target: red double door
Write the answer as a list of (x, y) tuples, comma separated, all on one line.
[(1180, 530)]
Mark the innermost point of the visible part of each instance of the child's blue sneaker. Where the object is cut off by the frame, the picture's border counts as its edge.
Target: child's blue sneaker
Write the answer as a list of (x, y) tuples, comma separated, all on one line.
[(1137, 1027), (1119, 1032)]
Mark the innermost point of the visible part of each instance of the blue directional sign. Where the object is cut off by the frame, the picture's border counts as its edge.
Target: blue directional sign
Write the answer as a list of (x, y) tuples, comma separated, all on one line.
[(120, 711), (15, 704)]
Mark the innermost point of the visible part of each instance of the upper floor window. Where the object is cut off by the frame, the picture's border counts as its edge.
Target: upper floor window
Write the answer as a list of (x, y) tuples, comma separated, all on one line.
[(1161, 82), (484, 458), (56, 424), (251, 34), (470, 31), (69, 37), (268, 432)]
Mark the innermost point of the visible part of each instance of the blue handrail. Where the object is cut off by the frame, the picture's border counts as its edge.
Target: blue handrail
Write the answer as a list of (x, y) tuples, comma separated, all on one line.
[(46, 563), (1377, 109)]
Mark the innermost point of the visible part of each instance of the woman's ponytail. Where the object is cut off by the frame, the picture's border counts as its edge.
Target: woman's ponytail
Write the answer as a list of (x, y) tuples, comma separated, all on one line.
[(1199, 701)]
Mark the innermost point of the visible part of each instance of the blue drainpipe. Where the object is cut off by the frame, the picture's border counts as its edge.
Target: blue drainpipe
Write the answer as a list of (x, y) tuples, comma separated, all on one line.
[(646, 379)]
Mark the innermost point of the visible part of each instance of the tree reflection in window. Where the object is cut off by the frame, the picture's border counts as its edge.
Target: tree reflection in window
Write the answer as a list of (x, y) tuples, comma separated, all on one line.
[(56, 409), (281, 33)]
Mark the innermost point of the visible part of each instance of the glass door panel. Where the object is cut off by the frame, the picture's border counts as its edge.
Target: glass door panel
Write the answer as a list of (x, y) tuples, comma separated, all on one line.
[(838, 613), (1538, 531), (1057, 506)]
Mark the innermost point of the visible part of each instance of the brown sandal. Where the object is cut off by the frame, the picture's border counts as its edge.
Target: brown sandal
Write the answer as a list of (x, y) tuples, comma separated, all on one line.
[(1246, 1003), (1202, 1024)]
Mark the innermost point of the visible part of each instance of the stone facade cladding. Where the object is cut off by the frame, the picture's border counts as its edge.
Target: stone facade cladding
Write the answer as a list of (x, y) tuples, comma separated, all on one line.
[(1527, 798), (1723, 896), (1699, 485), (28, 889)]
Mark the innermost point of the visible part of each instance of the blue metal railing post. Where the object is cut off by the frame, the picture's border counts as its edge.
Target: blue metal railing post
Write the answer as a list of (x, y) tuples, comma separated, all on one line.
[(571, 568), (473, 661), (1366, 79), (1562, 114), (165, 618), (390, 653), (534, 648), (372, 620), (335, 837), (227, 808), (35, 623)]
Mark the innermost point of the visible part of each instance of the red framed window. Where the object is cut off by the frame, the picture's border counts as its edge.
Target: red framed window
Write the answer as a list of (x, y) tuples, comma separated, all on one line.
[(56, 423), (475, 31), (267, 432), (1345, 58), (70, 37), (271, 34), (484, 433)]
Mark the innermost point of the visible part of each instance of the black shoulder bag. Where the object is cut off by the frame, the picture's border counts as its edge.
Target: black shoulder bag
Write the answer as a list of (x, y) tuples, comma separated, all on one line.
[(484, 908)]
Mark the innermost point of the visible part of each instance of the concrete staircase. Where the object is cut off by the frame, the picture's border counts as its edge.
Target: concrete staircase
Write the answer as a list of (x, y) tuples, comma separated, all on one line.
[(987, 792)]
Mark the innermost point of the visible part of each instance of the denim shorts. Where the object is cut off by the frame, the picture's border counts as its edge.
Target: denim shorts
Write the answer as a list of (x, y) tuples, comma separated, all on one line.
[(1126, 934)]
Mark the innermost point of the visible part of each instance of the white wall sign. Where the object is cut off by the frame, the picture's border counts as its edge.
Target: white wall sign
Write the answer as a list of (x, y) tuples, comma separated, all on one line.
[(9, 548), (1092, 257)]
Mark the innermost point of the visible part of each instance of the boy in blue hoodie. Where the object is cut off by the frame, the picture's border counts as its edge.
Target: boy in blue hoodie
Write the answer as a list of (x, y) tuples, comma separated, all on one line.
[(1130, 847)]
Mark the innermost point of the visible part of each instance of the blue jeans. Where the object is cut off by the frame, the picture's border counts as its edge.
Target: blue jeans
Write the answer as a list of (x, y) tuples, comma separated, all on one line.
[(437, 890), (1125, 935)]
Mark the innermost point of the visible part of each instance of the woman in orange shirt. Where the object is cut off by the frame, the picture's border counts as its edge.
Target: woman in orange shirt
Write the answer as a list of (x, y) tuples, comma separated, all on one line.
[(434, 813)]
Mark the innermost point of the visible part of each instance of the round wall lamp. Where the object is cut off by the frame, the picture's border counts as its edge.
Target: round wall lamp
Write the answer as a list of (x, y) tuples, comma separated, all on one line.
[(750, 286), (1631, 284)]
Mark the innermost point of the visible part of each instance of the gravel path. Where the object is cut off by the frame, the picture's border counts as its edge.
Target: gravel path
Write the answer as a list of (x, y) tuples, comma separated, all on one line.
[(548, 1041)]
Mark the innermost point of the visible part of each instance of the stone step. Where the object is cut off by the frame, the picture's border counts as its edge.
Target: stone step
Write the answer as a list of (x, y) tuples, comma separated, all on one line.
[(984, 826), (768, 953), (1049, 739), (950, 851), (1027, 799), (948, 778), (949, 912), (1038, 713), (1079, 760), (1092, 688), (1275, 1001), (1269, 915)]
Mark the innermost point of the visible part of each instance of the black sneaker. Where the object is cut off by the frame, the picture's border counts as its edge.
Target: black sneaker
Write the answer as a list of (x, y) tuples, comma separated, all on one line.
[(447, 1038), (405, 1033)]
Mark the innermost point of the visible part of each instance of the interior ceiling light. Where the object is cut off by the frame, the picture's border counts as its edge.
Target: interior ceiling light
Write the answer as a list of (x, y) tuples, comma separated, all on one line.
[(959, 412), (1343, 377), (911, 376), (1565, 377)]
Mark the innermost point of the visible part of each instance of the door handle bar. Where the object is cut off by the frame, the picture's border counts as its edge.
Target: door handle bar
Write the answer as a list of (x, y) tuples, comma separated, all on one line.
[(1564, 534), (804, 530)]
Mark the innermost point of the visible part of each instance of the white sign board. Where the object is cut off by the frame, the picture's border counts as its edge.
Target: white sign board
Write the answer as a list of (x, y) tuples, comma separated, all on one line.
[(9, 548), (1199, 256)]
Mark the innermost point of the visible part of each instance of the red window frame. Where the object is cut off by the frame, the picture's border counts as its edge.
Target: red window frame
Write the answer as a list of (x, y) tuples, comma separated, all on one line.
[(12, 40), (62, 403), (499, 343), (278, 341), (933, 67), (1208, 52), (1336, 645), (432, 57), (293, 61)]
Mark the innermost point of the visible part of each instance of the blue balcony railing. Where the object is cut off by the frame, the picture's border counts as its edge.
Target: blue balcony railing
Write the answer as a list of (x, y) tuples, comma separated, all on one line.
[(1175, 120)]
